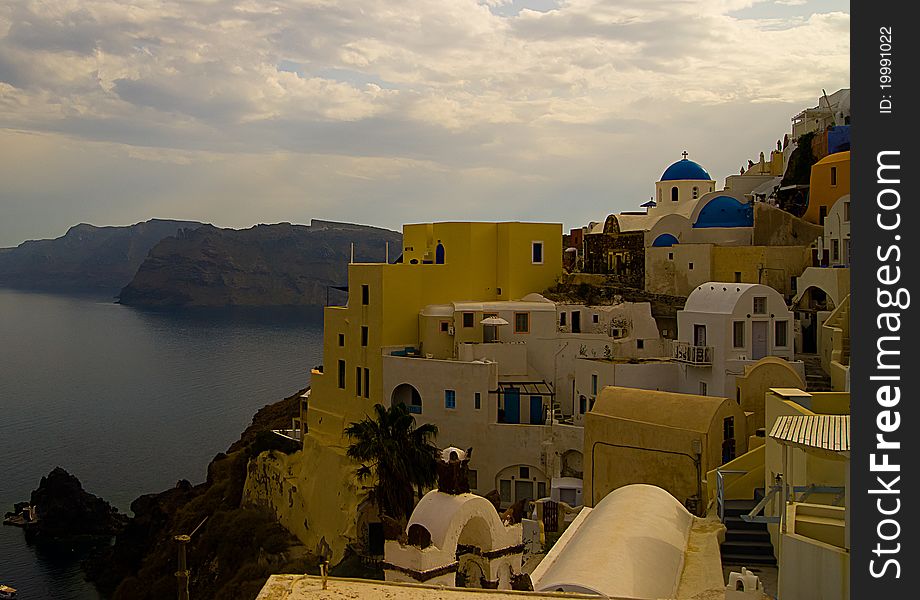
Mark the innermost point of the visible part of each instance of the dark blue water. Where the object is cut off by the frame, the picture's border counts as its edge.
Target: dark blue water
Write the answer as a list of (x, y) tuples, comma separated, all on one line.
[(130, 401)]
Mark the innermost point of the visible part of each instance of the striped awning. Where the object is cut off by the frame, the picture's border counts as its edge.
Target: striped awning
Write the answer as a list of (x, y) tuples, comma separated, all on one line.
[(825, 433)]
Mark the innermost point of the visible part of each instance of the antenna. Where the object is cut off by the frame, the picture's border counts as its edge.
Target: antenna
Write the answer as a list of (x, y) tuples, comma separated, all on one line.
[(182, 575), (352, 253)]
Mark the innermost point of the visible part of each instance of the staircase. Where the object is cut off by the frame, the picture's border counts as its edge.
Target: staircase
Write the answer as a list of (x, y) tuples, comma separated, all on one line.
[(745, 543), (558, 417), (816, 378)]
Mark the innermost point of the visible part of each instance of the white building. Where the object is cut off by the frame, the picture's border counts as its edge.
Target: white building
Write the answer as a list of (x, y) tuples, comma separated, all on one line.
[(723, 328)]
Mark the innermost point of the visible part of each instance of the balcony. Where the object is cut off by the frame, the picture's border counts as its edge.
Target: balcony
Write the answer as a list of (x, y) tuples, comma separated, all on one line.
[(688, 353)]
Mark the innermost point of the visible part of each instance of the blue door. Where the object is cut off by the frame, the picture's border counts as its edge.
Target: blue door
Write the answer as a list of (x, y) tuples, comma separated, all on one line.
[(536, 410), (512, 405)]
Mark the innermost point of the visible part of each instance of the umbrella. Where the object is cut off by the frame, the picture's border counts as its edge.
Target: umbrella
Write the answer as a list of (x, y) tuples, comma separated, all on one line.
[(494, 321)]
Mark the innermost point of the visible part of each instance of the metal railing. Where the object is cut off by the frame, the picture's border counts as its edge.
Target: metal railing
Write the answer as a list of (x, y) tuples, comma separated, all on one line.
[(688, 353), (720, 489)]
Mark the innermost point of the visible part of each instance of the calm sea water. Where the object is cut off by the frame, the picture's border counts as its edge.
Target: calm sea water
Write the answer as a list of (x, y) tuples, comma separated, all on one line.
[(130, 401)]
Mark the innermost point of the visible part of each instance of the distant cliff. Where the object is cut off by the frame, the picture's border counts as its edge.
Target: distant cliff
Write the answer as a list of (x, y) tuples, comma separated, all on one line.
[(86, 257), (277, 265)]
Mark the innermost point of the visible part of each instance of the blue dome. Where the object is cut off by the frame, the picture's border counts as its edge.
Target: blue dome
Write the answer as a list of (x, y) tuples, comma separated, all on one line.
[(665, 240), (725, 211), (685, 169)]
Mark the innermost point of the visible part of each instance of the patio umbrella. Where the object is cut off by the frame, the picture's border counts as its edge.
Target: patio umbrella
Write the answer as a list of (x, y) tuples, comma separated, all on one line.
[(494, 321)]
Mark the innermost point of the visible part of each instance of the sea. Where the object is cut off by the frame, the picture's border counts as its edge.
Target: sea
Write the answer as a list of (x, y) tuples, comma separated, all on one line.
[(130, 401)]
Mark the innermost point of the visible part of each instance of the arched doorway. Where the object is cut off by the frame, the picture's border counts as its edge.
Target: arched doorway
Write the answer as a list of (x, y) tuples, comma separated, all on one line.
[(463, 541), (405, 393)]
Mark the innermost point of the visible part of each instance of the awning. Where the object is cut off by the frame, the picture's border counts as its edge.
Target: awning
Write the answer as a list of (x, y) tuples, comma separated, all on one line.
[(525, 388), (828, 434)]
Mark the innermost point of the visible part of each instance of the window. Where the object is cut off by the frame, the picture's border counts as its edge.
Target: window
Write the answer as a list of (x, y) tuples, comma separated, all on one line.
[(541, 489), (833, 175), (737, 276), (524, 472), (674, 194), (846, 212), (835, 249), (760, 305), (690, 266), (562, 319), (341, 374), (450, 399), (364, 335), (594, 317), (357, 381), (702, 388), (780, 334), (367, 383), (445, 326), (594, 383), (477, 401), (699, 335), (341, 339), (473, 479), (738, 334), (468, 318), (640, 343), (521, 322), (696, 192), (365, 294), (536, 252), (670, 256), (582, 404)]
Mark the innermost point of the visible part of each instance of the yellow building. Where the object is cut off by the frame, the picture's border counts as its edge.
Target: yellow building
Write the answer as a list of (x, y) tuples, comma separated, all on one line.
[(661, 438), (830, 179), (314, 492), (441, 262)]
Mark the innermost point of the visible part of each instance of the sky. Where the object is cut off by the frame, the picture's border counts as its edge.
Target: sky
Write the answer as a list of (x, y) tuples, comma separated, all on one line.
[(383, 112)]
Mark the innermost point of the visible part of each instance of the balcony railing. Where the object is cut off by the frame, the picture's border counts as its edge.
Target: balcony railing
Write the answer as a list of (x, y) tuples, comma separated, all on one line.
[(688, 353)]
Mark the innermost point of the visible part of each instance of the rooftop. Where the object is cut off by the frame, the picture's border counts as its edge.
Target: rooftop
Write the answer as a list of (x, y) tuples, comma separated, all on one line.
[(310, 587)]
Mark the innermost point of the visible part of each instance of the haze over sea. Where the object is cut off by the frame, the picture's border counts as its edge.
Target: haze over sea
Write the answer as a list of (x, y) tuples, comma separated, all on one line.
[(130, 401)]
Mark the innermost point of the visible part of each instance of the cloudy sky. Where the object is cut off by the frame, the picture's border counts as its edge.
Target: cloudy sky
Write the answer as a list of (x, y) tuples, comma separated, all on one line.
[(382, 112)]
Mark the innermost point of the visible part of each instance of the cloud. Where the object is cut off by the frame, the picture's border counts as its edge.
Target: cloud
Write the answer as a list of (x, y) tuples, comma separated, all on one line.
[(492, 91)]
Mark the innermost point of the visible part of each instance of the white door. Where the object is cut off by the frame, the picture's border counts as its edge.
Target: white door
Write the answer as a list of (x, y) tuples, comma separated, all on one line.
[(759, 341)]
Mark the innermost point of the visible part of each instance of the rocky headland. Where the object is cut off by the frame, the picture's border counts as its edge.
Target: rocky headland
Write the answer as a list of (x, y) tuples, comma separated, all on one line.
[(86, 258), (265, 265), (61, 508)]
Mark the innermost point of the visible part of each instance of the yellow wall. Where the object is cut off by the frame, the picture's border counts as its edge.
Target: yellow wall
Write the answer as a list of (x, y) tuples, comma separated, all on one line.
[(770, 265), (620, 451), (821, 192), (768, 372)]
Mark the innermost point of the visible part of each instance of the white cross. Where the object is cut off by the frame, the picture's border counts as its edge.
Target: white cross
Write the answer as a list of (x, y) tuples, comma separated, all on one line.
[(684, 154)]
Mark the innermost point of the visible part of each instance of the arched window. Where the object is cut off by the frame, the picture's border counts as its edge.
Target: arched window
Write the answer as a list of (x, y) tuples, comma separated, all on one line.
[(696, 192), (408, 395), (659, 196), (674, 194), (439, 254)]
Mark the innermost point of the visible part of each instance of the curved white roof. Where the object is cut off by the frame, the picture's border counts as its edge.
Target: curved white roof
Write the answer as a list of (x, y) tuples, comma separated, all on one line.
[(631, 545), (722, 297), (446, 516)]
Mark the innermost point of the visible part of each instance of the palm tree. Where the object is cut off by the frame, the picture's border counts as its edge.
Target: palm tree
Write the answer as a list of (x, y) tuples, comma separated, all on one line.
[(400, 455)]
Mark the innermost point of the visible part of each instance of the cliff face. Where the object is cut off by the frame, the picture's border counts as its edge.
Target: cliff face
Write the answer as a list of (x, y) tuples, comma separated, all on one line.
[(276, 265), (234, 551), (86, 257)]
